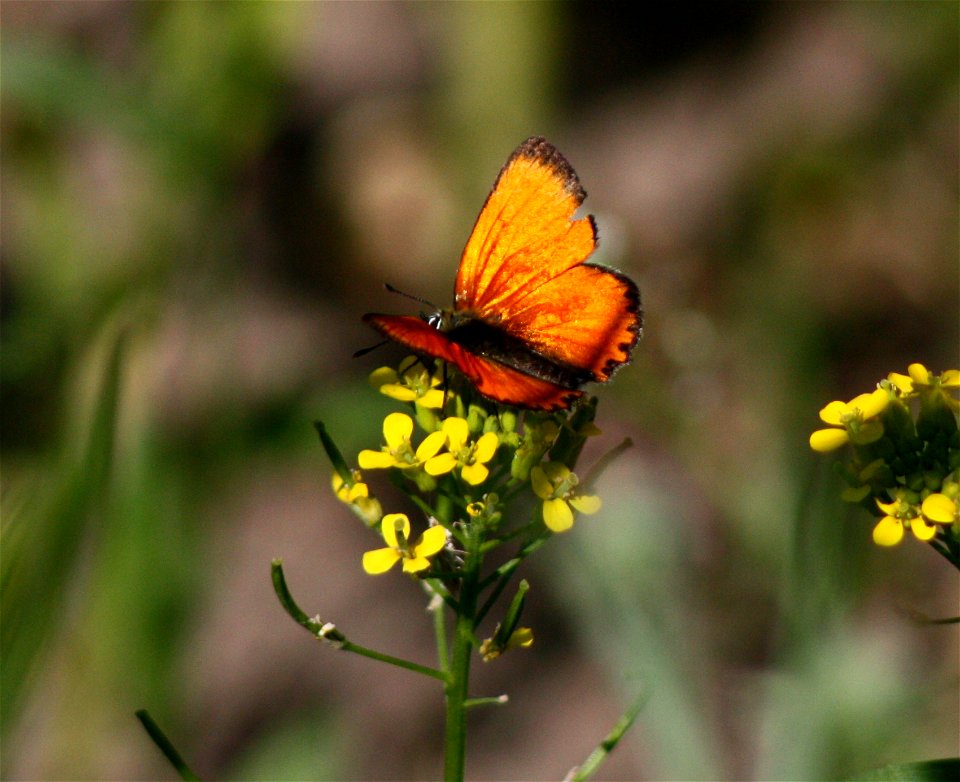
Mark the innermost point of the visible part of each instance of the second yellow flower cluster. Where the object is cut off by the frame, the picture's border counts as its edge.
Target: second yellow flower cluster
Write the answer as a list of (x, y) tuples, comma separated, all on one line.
[(905, 466)]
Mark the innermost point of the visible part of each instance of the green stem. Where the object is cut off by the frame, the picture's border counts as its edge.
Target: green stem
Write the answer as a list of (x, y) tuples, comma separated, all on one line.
[(440, 631), (333, 453), (493, 700), (327, 631), (504, 572), (458, 682), (373, 654), (456, 700), (166, 747), (600, 754)]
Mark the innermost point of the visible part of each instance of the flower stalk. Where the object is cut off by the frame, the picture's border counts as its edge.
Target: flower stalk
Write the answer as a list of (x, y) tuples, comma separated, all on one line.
[(456, 692), (484, 479), (328, 632)]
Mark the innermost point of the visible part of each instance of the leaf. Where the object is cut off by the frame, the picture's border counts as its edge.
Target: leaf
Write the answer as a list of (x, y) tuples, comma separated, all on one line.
[(943, 770)]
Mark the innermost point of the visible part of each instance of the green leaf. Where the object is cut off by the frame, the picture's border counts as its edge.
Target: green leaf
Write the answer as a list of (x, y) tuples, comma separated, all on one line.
[(42, 538), (943, 770)]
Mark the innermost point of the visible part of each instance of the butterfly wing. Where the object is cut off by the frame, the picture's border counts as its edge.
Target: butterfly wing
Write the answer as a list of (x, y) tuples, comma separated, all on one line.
[(491, 378), (523, 268)]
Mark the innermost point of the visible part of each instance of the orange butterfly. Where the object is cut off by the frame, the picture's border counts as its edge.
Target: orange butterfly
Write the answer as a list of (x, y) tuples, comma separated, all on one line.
[(531, 321)]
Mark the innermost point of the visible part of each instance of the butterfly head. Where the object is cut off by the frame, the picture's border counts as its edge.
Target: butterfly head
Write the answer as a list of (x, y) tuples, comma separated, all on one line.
[(439, 319)]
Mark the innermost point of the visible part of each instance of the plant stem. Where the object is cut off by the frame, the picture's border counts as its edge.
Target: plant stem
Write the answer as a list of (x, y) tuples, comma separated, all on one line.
[(439, 627), (329, 633), (166, 747), (600, 754), (457, 686)]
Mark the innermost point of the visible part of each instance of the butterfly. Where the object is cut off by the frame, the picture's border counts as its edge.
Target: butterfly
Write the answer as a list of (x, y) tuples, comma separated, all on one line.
[(531, 321)]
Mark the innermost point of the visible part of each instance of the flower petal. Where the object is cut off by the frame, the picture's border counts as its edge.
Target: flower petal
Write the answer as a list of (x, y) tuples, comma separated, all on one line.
[(587, 503), (921, 529), (950, 378), (888, 507), (392, 524), (833, 413), (383, 375), (376, 460), (920, 374), (903, 382), (398, 392), (940, 509), (440, 464), (415, 564), (380, 560), (431, 541), (826, 440), (431, 445), (557, 515), (474, 474), (369, 510), (540, 483), (397, 428), (339, 487), (486, 447), (458, 432), (888, 532), (557, 472), (521, 638), (872, 404), (432, 399)]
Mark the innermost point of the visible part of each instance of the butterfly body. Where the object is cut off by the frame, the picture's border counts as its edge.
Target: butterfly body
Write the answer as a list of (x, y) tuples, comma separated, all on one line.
[(531, 321)]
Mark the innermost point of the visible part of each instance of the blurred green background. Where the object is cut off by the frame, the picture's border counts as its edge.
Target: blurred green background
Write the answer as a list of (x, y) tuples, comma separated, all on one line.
[(199, 200)]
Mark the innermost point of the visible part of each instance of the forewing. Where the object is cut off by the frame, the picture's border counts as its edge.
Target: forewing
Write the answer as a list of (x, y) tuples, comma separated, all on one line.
[(525, 233), (523, 268)]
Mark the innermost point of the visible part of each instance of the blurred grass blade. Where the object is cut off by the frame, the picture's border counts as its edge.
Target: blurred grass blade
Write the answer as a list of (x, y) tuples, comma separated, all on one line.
[(166, 747), (943, 770), (609, 743), (42, 538)]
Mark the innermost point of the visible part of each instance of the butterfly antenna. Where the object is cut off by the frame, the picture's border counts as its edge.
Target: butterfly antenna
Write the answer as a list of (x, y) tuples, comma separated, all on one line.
[(364, 351), (410, 296)]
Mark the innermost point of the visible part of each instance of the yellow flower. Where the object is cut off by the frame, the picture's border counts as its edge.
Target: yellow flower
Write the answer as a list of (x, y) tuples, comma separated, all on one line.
[(919, 381), (900, 513), (357, 496), (399, 451), (554, 484), (396, 534), (471, 458), (411, 382), (855, 420)]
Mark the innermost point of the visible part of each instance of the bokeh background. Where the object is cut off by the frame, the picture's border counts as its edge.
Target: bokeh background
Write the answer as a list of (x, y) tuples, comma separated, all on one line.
[(199, 200)]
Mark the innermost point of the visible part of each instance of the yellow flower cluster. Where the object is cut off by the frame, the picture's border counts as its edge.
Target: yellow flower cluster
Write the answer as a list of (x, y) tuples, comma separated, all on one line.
[(853, 421), (905, 466), (472, 457), (921, 519), (920, 381), (440, 452)]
